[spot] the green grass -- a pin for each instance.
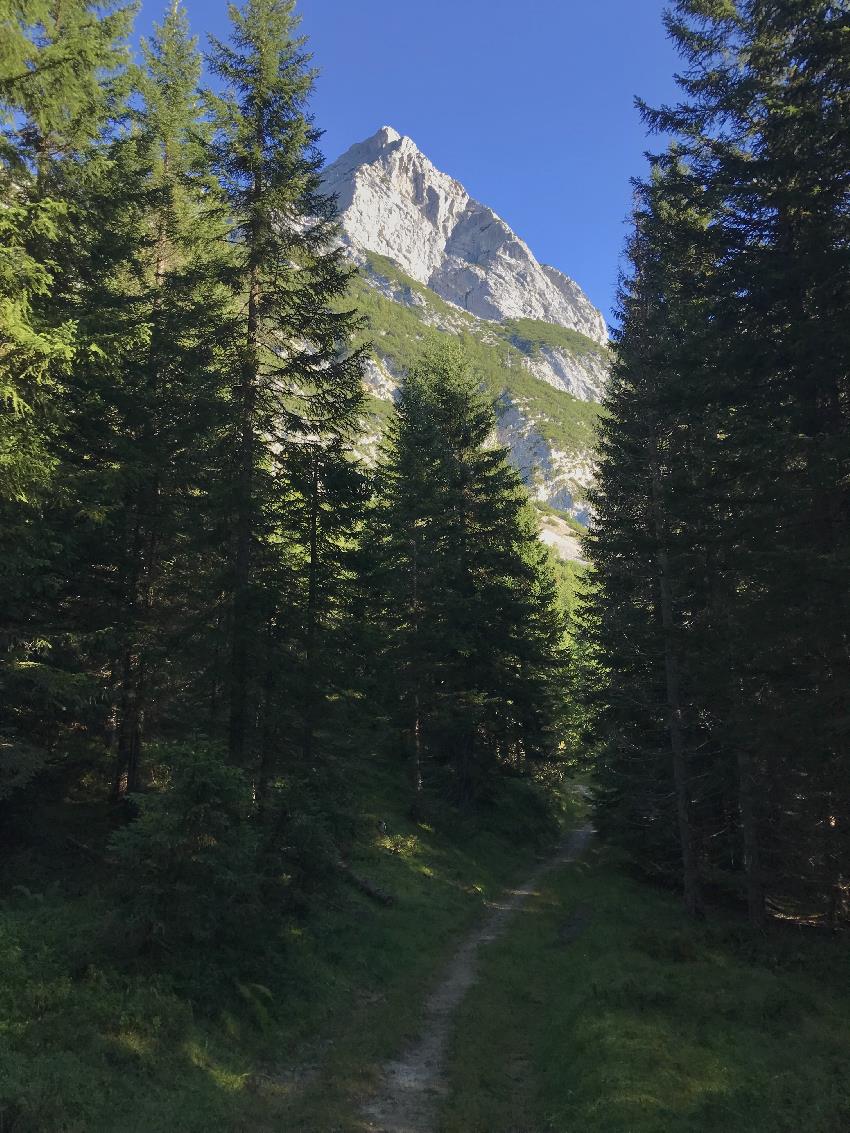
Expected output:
(530, 335)
(526, 335)
(377, 412)
(402, 333)
(91, 1043)
(394, 274)
(603, 1010)
(565, 516)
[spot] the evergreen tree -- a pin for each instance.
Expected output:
(169, 393)
(748, 375)
(474, 637)
(768, 85)
(295, 400)
(63, 79)
(654, 534)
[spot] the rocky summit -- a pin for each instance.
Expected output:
(393, 200)
(434, 260)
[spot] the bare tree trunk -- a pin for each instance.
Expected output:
(310, 621)
(747, 808)
(267, 741)
(241, 629)
(128, 762)
(128, 736)
(416, 759)
(749, 829)
(143, 556)
(681, 778)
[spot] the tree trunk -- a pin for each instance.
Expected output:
(143, 551)
(749, 829)
(681, 778)
(416, 754)
(310, 621)
(269, 732)
(128, 733)
(241, 628)
(129, 760)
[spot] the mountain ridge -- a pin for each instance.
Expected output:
(393, 200)
(413, 231)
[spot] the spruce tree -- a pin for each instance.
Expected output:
(172, 385)
(63, 80)
(751, 372)
(474, 636)
(650, 536)
(768, 94)
(296, 394)
(62, 70)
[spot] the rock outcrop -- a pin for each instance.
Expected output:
(434, 260)
(394, 201)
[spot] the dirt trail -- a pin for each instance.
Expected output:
(414, 1086)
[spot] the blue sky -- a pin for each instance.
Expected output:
(528, 104)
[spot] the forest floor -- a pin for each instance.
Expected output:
(604, 1009)
(599, 1009)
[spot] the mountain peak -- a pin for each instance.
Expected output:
(387, 135)
(394, 201)
(368, 151)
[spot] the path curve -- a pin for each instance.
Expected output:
(414, 1085)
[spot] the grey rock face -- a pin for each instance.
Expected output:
(553, 477)
(582, 375)
(394, 201)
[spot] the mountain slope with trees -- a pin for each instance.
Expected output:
(436, 263)
(290, 686)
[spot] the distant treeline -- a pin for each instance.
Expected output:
(718, 635)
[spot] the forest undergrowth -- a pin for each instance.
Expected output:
(626, 1015)
(91, 1041)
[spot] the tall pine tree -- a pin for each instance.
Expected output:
(751, 370)
(296, 393)
(474, 639)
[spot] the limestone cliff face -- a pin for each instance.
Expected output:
(394, 201)
(435, 260)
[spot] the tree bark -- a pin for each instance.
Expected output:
(310, 620)
(241, 629)
(416, 757)
(749, 829)
(681, 777)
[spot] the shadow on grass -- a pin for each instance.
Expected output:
(646, 1023)
(88, 1044)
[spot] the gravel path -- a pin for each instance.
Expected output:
(414, 1086)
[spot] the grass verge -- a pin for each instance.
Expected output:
(604, 1010)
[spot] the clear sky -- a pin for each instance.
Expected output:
(529, 103)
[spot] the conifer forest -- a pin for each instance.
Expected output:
(292, 691)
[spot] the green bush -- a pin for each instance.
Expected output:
(191, 860)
